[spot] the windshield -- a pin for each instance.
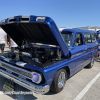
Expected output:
(68, 36)
(98, 36)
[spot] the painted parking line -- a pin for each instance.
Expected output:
(87, 87)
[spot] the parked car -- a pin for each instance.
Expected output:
(98, 39)
(46, 58)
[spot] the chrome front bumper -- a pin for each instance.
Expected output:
(25, 83)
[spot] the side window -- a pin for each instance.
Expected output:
(94, 38)
(78, 40)
(87, 38)
(98, 36)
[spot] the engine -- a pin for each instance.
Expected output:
(36, 56)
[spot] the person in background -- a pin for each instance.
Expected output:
(8, 40)
(13, 45)
(3, 37)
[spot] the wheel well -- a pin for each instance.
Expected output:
(68, 71)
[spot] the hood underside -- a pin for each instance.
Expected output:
(33, 29)
(30, 32)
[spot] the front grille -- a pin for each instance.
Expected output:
(14, 69)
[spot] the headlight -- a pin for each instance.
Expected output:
(36, 77)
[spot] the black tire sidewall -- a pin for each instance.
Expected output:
(54, 86)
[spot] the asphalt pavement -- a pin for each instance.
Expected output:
(85, 85)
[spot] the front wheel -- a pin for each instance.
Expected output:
(59, 81)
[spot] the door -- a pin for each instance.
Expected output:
(79, 51)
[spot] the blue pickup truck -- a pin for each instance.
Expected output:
(45, 57)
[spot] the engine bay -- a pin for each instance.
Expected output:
(36, 55)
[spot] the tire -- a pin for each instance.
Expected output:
(90, 65)
(59, 81)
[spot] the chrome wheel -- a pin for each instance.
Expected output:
(61, 79)
(92, 62)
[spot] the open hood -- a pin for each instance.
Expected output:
(34, 29)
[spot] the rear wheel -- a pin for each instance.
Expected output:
(59, 81)
(90, 65)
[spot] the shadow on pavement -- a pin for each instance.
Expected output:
(50, 93)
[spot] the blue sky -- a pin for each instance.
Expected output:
(65, 13)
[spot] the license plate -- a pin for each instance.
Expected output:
(9, 86)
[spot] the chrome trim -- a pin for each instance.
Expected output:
(25, 17)
(16, 68)
(61, 79)
(15, 77)
(26, 84)
(40, 18)
(7, 59)
(39, 75)
(16, 72)
(11, 18)
(20, 63)
(92, 61)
